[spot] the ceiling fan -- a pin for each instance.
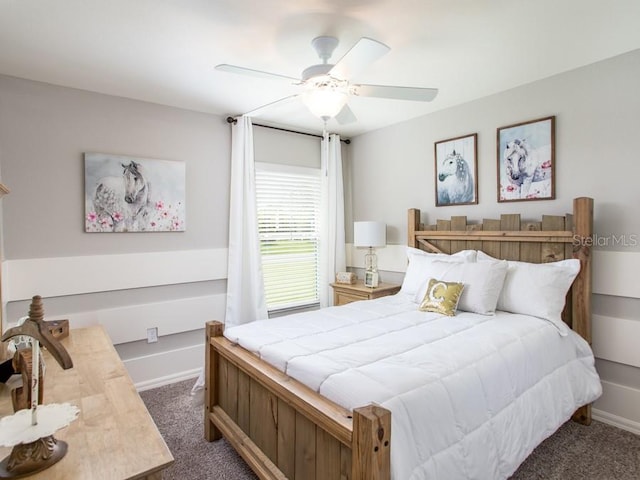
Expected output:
(327, 86)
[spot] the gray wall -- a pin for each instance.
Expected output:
(596, 111)
(44, 131)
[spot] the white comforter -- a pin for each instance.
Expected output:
(470, 396)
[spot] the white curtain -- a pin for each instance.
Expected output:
(245, 285)
(332, 242)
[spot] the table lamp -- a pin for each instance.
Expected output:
(370, 235)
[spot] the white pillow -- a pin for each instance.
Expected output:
(482, 281)
(537, 289)
(419, 269)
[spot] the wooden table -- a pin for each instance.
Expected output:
(346, 293)
(114, 437)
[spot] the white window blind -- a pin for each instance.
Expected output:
(288, 203)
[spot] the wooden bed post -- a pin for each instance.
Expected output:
(581, 290)
(371, 447)
(582, 238)
(414, 226)
(213, 329)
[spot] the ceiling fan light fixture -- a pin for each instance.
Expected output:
(327, 86)
(325, 100)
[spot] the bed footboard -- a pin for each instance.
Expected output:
(283, 429)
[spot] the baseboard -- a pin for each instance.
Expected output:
(167, 380)
(163, 368)
(616, 421)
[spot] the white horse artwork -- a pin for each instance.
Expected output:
(118, 195)
(455, 181)
(124, 200)
(525, 166)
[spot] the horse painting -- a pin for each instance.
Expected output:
(118, 195)
(455, 183)
(525, 166)
(525, 155)
(123, 201)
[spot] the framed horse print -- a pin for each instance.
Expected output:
(129, 194)
(526, 161)
(456, 169)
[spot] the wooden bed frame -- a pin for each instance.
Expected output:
(284, 430)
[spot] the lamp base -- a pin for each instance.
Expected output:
(371, 279)
(29, 458)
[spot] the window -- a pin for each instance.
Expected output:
(288, 203)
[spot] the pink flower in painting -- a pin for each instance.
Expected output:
(117, 216)
(92, 217)
(105, 222)
(159, 205)
(165, 214)
(510, 188)
(153, 224)
(176, 223)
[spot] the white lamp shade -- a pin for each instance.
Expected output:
(369, 234)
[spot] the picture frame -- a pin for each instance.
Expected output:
(456, 170)
(371, 279)
(526, 160)
(132, 194)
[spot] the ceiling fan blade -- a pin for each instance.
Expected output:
(397, 93)
(260, 109)
(224, 67)
(346, 116)
(363, 53)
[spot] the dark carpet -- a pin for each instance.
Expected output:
(574, 452)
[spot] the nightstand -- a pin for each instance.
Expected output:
(344, 293)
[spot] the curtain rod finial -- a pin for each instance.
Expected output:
(232, 120)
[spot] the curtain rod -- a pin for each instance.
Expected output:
(235, 120)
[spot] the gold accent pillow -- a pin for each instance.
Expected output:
(441, 297)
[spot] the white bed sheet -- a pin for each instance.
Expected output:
(470, 396)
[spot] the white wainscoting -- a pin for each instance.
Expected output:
(616, 273)
(60, 276)
(130, 323)
(68, 276)
(616, 340)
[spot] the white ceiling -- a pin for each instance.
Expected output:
(164, 51)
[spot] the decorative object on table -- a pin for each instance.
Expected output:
(23, 364)
(129, 194)
(370, 235)
(59, 328)
(30, 432)
(346, 278)
(456, 168)
(526, 161)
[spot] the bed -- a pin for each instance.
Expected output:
(348, 368)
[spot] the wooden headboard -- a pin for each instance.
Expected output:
(551, 239)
